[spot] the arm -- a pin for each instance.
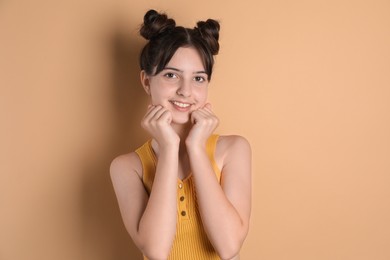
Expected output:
(151, 222)
(225, 207)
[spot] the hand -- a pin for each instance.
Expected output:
(157, 122)
(204, 123)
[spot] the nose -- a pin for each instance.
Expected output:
(184, 89)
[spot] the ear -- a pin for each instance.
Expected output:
(145, 81)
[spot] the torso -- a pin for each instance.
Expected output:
(184, 165)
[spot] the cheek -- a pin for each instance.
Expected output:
(155, 98)
(201, 96)
(159, 94)
(156, 92)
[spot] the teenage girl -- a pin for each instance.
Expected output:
(186, 193)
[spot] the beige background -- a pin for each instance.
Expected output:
(307, 82)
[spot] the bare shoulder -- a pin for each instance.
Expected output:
(125, 164)
(236, 172)
(126, 177)
(233, 144)
(233, 141)
(232, 147)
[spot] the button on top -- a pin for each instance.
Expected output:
(183, 213)
(181, 198)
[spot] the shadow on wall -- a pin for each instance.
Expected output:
(104, 235)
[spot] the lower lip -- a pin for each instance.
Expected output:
(181, 109)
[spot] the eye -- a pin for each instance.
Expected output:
(170, 75)
(199, 79)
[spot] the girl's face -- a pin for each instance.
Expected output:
(181, 87)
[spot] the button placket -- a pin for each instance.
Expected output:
(182, 207)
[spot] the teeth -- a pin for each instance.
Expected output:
(180, 104)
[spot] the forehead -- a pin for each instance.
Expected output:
(186, 59)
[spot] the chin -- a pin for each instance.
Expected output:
(181, 120)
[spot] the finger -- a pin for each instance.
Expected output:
(158, 113)
(151, 106)
(203, 113)
(199, 116)
(166, 116)
(208, 106)
(207, 117)
(194, 116)
(152, 111)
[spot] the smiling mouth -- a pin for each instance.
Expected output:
(179, 104)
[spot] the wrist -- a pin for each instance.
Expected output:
(169, 148)
(169, 143)
(196, 147)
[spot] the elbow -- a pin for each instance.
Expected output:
(152, 246)
(230, 250)
(155, 252)
(228, 255)
(231, 246)
(156, 257)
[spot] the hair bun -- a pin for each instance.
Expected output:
(209, 31)
(155, 24)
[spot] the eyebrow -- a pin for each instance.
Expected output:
(196, 72)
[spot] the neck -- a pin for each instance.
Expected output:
(182, 131)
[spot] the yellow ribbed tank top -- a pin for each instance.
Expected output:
(190, 241)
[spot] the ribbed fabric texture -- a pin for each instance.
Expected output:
(191, 242)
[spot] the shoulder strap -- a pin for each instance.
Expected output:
(148, 161)
(210, 149)
(148, 165)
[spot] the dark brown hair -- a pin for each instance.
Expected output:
(165, 38)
